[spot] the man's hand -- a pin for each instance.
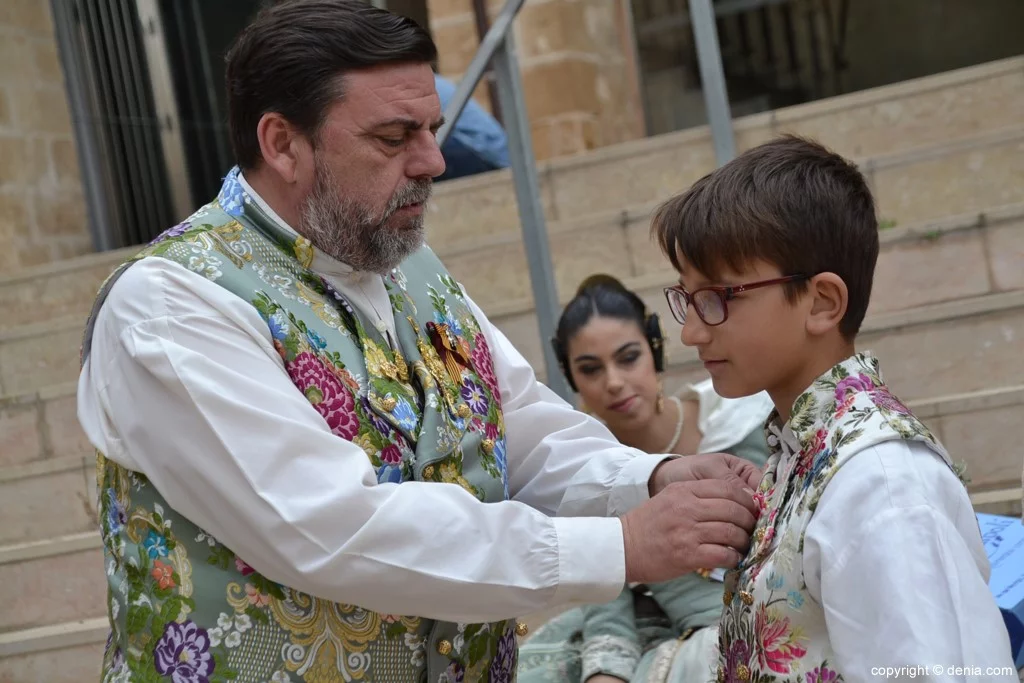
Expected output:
(707, 466)
(688, 526)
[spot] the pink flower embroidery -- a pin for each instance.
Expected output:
(243, 568)
(391, 455)
(777, 646)
(822, 674)
(845, 405)
(484, 366)
(256, 599)
(326, 393)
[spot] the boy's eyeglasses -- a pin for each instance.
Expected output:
(710, 302)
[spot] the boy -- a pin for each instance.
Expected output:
(867, 554)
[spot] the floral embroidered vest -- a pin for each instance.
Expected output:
(182, 606)
(772, 629)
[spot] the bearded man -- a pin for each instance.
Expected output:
(319, 460)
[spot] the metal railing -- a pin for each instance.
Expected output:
(498, 45)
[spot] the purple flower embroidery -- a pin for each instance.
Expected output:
(853, 383)
(454, 673)
(473, 395)
(380, 424)
(503, 666)
(738, 654)
(175, 231)
(886, 401)
(822, 674)
(183, 654)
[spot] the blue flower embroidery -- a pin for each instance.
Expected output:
(795, 599)
(499, 459)
(404, 414)
(278, 327)
(232, 196)
(156, 545)
(315, 340)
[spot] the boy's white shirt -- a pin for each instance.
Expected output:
(885, 499)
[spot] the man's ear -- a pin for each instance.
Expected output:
(284, 147)
(829, 301)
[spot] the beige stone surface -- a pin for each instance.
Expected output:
(50, 357)
(930, 270)
(52, 294)
(1006, 255)
(20, 438)
(989, 441)
(952, 183)
(903, 122)
(67, 665)
(53, 589)
(64, 434)
(44, 506)
(951, 356)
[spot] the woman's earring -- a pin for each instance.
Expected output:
(660, 403)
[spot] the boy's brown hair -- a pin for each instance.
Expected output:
(790, 202)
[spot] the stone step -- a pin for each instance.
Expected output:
(876, 127)
(919, 117)
(69, 652)
(47, 498)
(930, 262)
(41, 425)
(55, 580)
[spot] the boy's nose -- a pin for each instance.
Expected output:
(694, 332)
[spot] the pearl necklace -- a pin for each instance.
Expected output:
(679, 426)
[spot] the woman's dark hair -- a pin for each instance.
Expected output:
(291, 57)
(604, 296)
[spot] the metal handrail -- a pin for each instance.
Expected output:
(498, 46)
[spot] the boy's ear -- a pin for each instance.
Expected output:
(829, 300)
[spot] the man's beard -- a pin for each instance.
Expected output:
(349, 232)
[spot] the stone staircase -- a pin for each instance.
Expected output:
(945, 158)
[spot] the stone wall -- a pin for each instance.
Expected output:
(577, 63)
(42, 208)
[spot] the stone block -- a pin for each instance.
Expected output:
(647, 256)
(865, 124)
(55, 293)
(64, 434)
(61, 213)
(564, 136)
(989, 442)
(613, 179)
(545, 28)
(66, 665)
(957, 181)
(43, 506)
(561, 85)
(27, 16)
(24, 161)
(443, 9)
(965, 354)
(31, 253)
(50, 590)
(41, 360)
(65, 161)
(457, 42)
(6, 114)
(500, 273)
(47, 62)
(14, 49)
(930, 270)
(20, 439)
(41, 109)
(1005, 244)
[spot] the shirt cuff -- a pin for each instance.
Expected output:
(631, 487)
(591, 560)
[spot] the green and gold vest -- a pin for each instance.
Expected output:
(182, 606)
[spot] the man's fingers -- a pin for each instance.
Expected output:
(721, 510)
(714, 489)
(710, 556)
(724, 534)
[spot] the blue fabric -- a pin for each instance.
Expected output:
(477, 142)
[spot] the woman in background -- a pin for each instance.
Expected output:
(612, 353)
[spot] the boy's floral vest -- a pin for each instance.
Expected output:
(772, 629)
(183, 607)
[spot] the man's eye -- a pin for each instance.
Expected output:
(393, 142)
